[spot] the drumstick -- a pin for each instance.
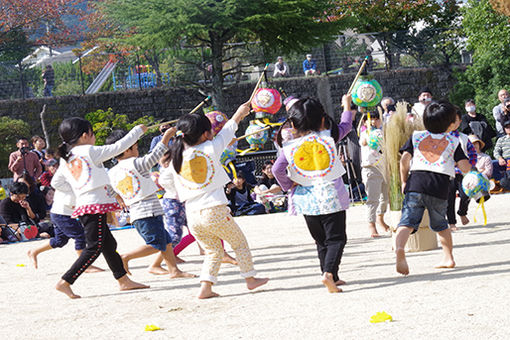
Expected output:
(357, 75)
(258, 83)
(253, 133)
(202, 103)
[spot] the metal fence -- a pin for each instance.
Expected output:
(192, 66)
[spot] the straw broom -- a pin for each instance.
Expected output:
(502, 6)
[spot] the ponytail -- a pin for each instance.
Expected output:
(63, 151)
(279, 139)
(176, 154)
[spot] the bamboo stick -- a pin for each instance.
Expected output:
(253, 133)
(258, 83)
(357, 75)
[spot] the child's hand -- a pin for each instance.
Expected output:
(242, 112)
(168, 134)
(122, 204)
(346, 102)
(403, 186)
(143, 127)
(501, 161)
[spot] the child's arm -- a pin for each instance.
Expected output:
(59, 181)
(464, 166)
(345, 125)
(145, 163)
(363, 139)
(242, 111)
(100, 154)
(405, 166)
(280, 172)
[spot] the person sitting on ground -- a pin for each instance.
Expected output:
(484, 161)
(281, 69)
(310, 66)
(239, 195)
(51, 168)
(267, 187)
(24, 161)
(499, 110)
(501, 163)
(474, 123)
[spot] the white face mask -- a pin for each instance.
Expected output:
(427, 99)
(471, 108)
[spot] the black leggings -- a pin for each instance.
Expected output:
(99, 239)
(456, 185)
(329, 234)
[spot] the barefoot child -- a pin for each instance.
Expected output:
(375, 183)
(82, 163)
(199, 180)
(310, 167)
(130, 178)
(434, 153)
(65, 226)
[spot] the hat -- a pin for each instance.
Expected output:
(308, 55)
(279, 57)
(474, 138)
(52, 162)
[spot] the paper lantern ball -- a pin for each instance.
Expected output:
(256, 140)
(229, 154)
(155, 179)
(375, 140)
(367, 93)
(475, 184)
(267, 100)
(218, 120)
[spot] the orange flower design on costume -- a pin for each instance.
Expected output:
(432, 148)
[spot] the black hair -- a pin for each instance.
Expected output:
(373, 115)
(438, 116)
(458, 111)
(18, 188)
(470, 101)
(21, 138)
(70, 131)
(307, 114)
(29, 181)
(425, 89)
(191, 127)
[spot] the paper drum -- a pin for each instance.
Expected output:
(267, 100)
(475, 185)
(256, 140)
(218, 120)
(367, 93)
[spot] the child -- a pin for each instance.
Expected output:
(199, 181)
(130, 178)
(375, 183)
(65, 227)
(456, 182)
(82, 163)
(239, 195)
(315, 177)
(51, 167)
(434, 153)
(267, 189)
(484, 161)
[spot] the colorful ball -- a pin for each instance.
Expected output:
(155, 179)
(367, 93)
(218, 120)
(475, 184)
(375, 140)
(229, 154)
(256, 140)
(267, 100)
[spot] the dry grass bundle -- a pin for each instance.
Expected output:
(396, 132)
(502, 6)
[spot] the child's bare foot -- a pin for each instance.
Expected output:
(380, 221)
(125, 263)
(327, 280)
(254, 282)
(179, 260)
(228, 259)
(445, 264)
(157, 270)
(33, 257)
(125, 283)
(340, 282)
(402, 266)
(453, 227)
(464, 220)
(94, 269)
(373, 230)
(175, 274)
(206, 291)
(65, 287)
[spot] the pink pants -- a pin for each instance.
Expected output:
(186, 241)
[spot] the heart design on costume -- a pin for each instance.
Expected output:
(432, 148)
(194, 170)
(125, 185)
(312, 156)
(76, 168)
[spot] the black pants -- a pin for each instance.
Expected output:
(328, 231)
(456, 185)
(99, 239)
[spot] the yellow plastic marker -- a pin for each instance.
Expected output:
(151, 328)
(20, 265)
(381, 317)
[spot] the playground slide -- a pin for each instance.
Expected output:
(101, 77)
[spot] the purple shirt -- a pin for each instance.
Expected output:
(281, 163)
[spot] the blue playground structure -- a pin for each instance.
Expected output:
(141, 76)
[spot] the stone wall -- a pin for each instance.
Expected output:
(170, 103)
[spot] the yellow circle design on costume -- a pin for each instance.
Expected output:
(198, 171)
(312, 156)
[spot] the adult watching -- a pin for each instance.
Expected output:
(424, 98)
(499, 110)
(473, 123)
(24, 161)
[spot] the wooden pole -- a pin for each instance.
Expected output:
(202, 103)
(253, 133)
(258, 83)
(357, 75)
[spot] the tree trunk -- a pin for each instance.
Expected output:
(216, 91)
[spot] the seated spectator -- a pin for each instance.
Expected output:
(502, 156)
(281, 69)
(504, 115)
(267, 188)
(310, 66)
(498, 111)
(484, 161)
(24, 161)
(48, 194)
(241, 202)
(15, 209)
(51, 168)
(474, 123)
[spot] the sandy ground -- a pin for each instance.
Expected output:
(466, 302)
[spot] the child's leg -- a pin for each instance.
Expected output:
(384, 200)
(445, 237)
(373, 193)
(168, 256)
(464, 202)
(450, 212)
(401, 238)
(141, 251)
(32, 253)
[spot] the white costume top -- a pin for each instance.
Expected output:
(64, 200)
(434, 152)
(202, 177)
(127, 181)
(166, 180)
(313, 159)
(85, 171)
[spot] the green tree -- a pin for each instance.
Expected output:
(10, 131)
(488, 37)
(278, 25)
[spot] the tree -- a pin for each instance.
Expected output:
(488, 37)
(217, 25)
